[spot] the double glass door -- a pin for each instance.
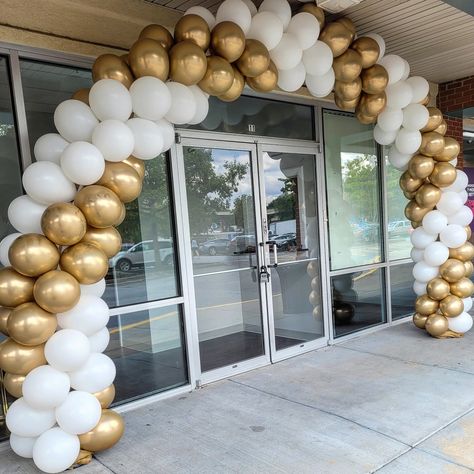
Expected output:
(253, 253)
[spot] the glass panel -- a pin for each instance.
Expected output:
(263, 117)
(149, 352)
(401, 287)
(145, 269)
(353, 184)
(44, 87)
(358, 301)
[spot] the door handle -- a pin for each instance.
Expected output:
(275, 252)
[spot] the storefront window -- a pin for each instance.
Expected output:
(401, 287)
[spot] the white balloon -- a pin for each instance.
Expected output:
(390, 119)
(421, 239)
(395, 67)
(321, 86)
(202, 105)
(82, 163)
(380, 42)
(464, 196)
(399, 160)
(25, 214)
(67, 350)
(280, 7)
(167, 132)
(5, 244)
(420, 88)
(49, 147)
(461, 323)
(203, 13)
(287, 54)
(406, 71)
(74, 120)
(467, 304)
(436, 253)
(79, 413)
(424, 272)
(417, 255)
(99, 340)
(89, 315)
(305, 28)
(267, 28)
(450, 203)
(22, 446)
(463, 217)
(110, 99)
(415, 116)
(384, 138)
(151, 99)
(95, 375)
(408, 141)
(317, 60)
(236, 11)
(419, 288)
(45, 387)
(453, 236)
(434, 222)
(114, 139)
(95, 289)
(399, 95)
(251, 6)
(46, 183)
(55, 451)
(293, 79)
(460, 183)
(147, 138)
(183, 104)
(27, 421)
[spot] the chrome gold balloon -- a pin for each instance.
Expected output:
(82, 95)
(86, 262)
(365, 119)
(107, 239)
(442, 129)
(437, 289)
(57, 291)
(444, 174)
(452, 270)
(347, 66)
(434, 121)
(419, 320)
(316, 12)
(188, 63)
(255, 59)
(337, 37)
(19, 359)
(469, 266)
(468, 232)
(137, 164)
(13, 384)
(463, 287)
(425, 305)
(122, 179)
(100, 206)
(426, 100)
(421, 166)
(349, 24)
(348, 91)
(346, 104)
(228, 40)
(374, 79)
(409, 183)
(451, 150)
(193, 28)
(4, 315)
(236, 88)
(63, 223)
(415, 224)
(110, 66)
(463, 253)
(415, 212)
(372, 104)
(451, 306)
(428, 195)
(265, 82)
(219, 76)
(15, 288)
(436, 325)
(368, 49)
(33, 254)
(432, 143)
(108, 432)
(148, 58)
(106, 396)
(83, 458)
(158, 33)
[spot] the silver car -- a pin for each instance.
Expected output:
(142, 254)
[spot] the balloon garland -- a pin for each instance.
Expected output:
(53, 280)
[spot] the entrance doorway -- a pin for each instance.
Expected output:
(250, 219)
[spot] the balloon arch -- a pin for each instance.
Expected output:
(53, 280)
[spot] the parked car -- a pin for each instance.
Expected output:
(242, 244)
(142, 254)
(399, 228)
(214, 247)
(285, 241)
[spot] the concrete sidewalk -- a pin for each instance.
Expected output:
(395, 401)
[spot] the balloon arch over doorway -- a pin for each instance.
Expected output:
(53, 280)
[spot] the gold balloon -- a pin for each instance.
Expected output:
(83, 458)
(349, 24)
(365, 119)
(315, 11)
(436, 325)
(421, 166)
(228, 40)
(451, 306)
(348, 66)
(19, 359)
(110, 66)
(337, 37)
(106, 396)
(444, 174)
(451, 150)
(33, 254)
(348, 91)
(108, 432)
(255, 59)
(108, 240)
(372, 104)
(219, 76)
(188, 63)
(148, 58)
(468, 232)
(469, 266)
(374, 79)
(123, 214)
(265, 82)
(425, 305)
(100, 206)
(124, 58)
(428, 195)
(432, 144)
(409, 183)
(63, 223)
(463, 287)
(435, 120)
(137, 164)
(4, 315)
(13, 384)
(419, 320)
(346, 104)
(463, 253)
(31, 325)
(437, 289)
(236, 88)
(442, 128)
(122, 179)
(86, 262)
(158, 33)
(426, 100)
(57, 291)
(409, 196)
(82, 95)
(368, 49)
(193, 28)
(15, 288)
(415, 212)
(415, 224)
(452, 270)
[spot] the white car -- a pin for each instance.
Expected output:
(142, 254)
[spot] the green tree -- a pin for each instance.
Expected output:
(284, 205)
